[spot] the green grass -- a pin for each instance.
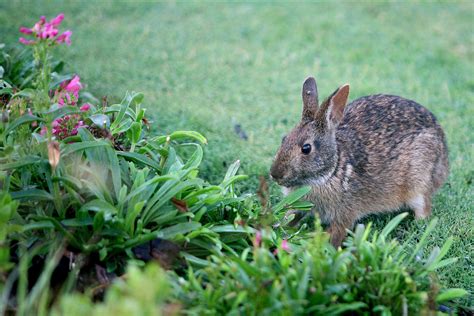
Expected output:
(209, 67)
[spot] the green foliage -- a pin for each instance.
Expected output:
(136, 293)
(8, 208)
(371, 275)
(16, 69)
(91, 182)
(106, 200)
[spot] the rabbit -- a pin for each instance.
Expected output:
(377, 154)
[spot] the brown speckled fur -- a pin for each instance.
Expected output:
(377, 154)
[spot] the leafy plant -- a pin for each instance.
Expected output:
(372, 275)
(137, 292)
(108, 201)
(91, 177)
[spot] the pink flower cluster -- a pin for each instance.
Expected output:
(67, 126)
(257, 242)
(44, 30)
(68, 92)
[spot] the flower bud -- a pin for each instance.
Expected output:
(53, 154)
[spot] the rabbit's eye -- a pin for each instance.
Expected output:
(306, 149)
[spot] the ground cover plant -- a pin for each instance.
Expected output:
(184, 76)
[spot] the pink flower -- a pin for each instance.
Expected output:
(43, 131)
(66, 126)
(26, 30)
(285, 246)
(68, 92)
(38, 25)
(79, 124)
(258, 239)
(74, 85)
(25, 41)
(48, 31)
(57, 20)
(64, 98)
(85, 107)
(65, 38)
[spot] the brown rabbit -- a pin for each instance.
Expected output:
(377, 154)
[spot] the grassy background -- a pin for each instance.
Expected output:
(210, 67)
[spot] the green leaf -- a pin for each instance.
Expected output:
(99, 221)
(100, 120)
(27, 93)
(37, 225)
(178, 229)
(140, 115)
(32, 195)
(339, 308)
(178, 135)
(57, 225)
(164, 194)
(442, 263)
(25, 161)
(231, 229)
(195, 159)
(291, 198)
(232, 170)
(100, 206)
(114, 169)
(143, 187)
(102, 254)
(134, 132)
(302, 205)
(70, 181)
(136, 98)
(120, 115)
(131, 216)
(451, 294)
(234, 179)
(135, 157)
(27, 118)
(71, 148)
(424, 238)
(195, 260)
(392, 224)
(76, 222)
(57, 111)
(6, 90)
(122, 127)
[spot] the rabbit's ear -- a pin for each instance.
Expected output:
(310, 99)
(337, 103)
(332, 109)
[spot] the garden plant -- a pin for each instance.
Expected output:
(100, 214)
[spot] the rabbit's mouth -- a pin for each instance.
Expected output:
(289, 182)
(320, 180)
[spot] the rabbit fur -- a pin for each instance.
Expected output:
(377, 154)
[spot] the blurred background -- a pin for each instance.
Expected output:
(234, 73)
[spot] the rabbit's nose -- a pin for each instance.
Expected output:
(276, 173)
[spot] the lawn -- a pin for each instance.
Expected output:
(212, 67)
